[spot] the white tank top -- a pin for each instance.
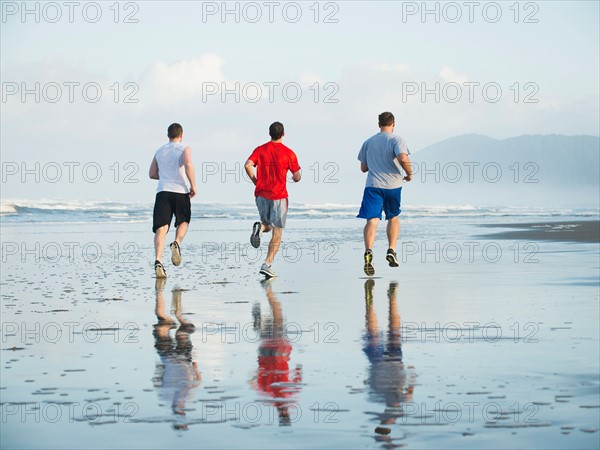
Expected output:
(171, 173)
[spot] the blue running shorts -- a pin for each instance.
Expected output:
(376, 200)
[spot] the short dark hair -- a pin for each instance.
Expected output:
(174, 131)
(276, 130)
(386, 119)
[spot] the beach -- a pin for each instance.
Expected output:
(477, 340)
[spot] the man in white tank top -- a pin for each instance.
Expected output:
(173, 168)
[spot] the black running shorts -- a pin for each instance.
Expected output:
(168, 204)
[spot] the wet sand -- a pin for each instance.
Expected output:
(571, 231)
(438, 353)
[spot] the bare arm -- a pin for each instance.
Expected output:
(154, 169)
(189, 170)
(405, 164)
(249, 166)
(296, 176)
(363, 167)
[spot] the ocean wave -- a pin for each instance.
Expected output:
(15, 211)
(7, 208)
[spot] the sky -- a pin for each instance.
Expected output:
(88, 90)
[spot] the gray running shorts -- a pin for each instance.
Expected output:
(272, 212)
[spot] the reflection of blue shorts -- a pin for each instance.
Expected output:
(373, 346)
(376, 200)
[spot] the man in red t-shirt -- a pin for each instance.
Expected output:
(273, 160)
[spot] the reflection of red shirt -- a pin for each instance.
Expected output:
(273, 160)
(274, 355)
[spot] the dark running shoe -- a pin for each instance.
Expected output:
(369, 267)
(391, 258)
(255, 236)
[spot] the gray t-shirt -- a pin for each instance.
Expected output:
(379, 153)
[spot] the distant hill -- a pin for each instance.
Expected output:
(529, 169)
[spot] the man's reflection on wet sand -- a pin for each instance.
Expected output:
(389, 380)
(274, 377)
(177, 373)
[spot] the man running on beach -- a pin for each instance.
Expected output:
(171, 165)
(273, 161)
(378, 156)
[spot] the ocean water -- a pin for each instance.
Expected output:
(471, 343)
(55, 211)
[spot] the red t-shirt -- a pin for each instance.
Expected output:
(273, 160)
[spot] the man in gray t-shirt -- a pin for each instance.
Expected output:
(383, 156)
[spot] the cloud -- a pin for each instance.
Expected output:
(182, 80)
(448, 74)
(387, 67)
(202, 79)
(311, 78)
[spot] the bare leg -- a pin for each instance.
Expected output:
(394, 315)
(159, 241)
(276, 311)
(370, 316)
(393, 229)
(274, 245)
(160, 303)
(176, 309)
(369, 233)
(181, 231)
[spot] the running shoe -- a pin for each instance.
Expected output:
(267, 271)
(255, 236)
(391, 258)
(159, 269)
(369, 267)
(175, 253)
